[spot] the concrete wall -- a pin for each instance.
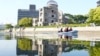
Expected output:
(56, 29)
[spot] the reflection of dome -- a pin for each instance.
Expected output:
(52, 2)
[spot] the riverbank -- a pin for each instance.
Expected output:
(84, 33)
(56, 29)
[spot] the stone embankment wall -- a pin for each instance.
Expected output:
(56, 29)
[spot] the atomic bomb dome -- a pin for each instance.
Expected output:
(52, 2)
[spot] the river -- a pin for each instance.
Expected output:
(31, 45)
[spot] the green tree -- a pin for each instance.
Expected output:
(24, 44)
(25, 22)
(8, 26)
(80, 18)
(94, 16)
(70, 18)
(95, 50)
(76, 18)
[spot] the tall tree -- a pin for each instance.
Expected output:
(94, 16)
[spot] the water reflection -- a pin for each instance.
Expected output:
(95, 50)
(24, 46)
(44, 47)
(31, 46)
(8, 36)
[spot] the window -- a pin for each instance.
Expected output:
(52, 21)
(52, 11)
(36, 21)
(40, 14)
(40, 9)
(52, 16)
(40, 46)
(40, 19)
(45, 19)
(59, 20)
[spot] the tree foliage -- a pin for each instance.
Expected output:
(95, 51)
(26, 22)
(80, 18)
(76, 18)
(94, 16)
(70, 18)
(24, 44)
(9, 26)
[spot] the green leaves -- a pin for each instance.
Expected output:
(80, 18)
(76, 19)
(9, 26)
(25, 22)
(24, 44)
(94, 16)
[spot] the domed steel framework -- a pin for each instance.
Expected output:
(52, 2)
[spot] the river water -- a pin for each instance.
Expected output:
(25, 45)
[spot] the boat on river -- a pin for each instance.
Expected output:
(69, 33)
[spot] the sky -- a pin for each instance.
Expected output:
(9, 8)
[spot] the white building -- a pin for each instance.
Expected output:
(35, 21)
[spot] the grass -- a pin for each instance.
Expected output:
(63, 25)
(76, 25)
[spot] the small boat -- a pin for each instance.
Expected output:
(69, 33)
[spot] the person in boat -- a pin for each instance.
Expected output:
(61, 30)
(66, 30)
(70, 29)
